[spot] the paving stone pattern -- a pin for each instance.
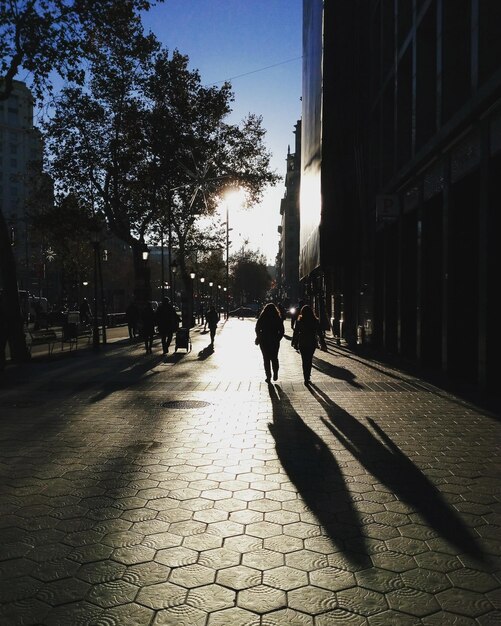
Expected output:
(143, 492)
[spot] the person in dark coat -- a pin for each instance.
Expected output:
(269, 331)
(148, 320)
(167, 322)
(306, 337)
(132, 316)
(85, 312)
(212, 318)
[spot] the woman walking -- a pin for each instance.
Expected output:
(307, 336)
(269, 332)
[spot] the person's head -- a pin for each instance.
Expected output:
(307, 313)
(270, 310)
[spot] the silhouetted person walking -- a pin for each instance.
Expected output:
(167, 322)
(212, 318)
(148, 319)
(307, 336)
(85, 312)
(132, 316)
(269, 332)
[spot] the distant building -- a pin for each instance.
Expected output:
(401, 177)
(20, 161)
(288, 255)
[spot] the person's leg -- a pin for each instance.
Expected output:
(266, 363)
(168, 339)
(274, 362)
(307, 360)
(163, 339)
(212, 335)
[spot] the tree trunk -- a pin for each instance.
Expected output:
(14, 320)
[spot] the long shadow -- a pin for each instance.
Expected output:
(314, 471)
(335, 372)
(127, 378)
(387, 463)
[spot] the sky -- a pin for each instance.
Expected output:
(257, 45)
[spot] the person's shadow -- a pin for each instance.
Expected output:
(315, 473)
(388, 464)
(334, 371)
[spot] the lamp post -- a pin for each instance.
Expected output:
(211, 285)
(225, 302)
(218, 297)
(202, 280)
(173, 268)
(192, 285)
(95, 326)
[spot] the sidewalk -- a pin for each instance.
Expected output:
(137, 490)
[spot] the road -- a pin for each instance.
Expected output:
(138, 490)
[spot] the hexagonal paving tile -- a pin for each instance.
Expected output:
(362, 601)
(464, 602)
(332, 578)
(312, 600)
(261, 599)
(193, 575)
(211, 598)
(235, 616)
(285, 578)
(306, 560)
(175, 557)
(181, 615)
(161, 595)
(239, 577)
(112, 593)
(412, 601)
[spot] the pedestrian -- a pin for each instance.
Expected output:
(212, 318)
(269, 331)
(295, 311)
(132, 317)
(85, 312)
(306, 337)
(148, 320)
(167, 322)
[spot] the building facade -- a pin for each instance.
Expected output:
(406, 106)
(20, 163)
(288, 257)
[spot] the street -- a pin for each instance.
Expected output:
(138, 490)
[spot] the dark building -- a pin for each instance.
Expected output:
(401, 179)
(288, 256)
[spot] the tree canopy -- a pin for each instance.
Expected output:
(42, 36)
(147, 144)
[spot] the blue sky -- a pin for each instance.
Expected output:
(240, 40)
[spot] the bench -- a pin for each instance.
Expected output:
(41, 338)
(74, 334)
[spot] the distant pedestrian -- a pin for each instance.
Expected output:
(212, 318)
(295, 312)
(132, 317)
(269, 331)
(148, 320)
(306, 338)
(85, 312)
(167, 322)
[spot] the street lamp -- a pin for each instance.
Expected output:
(211, 284)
